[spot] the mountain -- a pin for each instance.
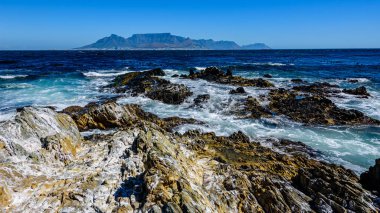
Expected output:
(165, 41)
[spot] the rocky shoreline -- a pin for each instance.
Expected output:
(144, 165)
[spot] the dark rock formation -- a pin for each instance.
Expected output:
(239, 90)
(267, 76)
(251, 108)
(298, 81)
(201, 99)
(153, 87)
(317, 88)
(362, 91)
(315, 110)
(371, 178)
(214, 74)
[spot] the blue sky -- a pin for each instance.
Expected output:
(64, 24)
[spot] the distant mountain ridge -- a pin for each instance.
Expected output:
(165, 41)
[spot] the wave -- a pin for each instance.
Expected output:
(104, 73)
(16, 86)
(359, 80)
(12, 76)
(275, 64)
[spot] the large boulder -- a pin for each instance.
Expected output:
(147, 83)
(361, 91)
(214, 74)
(371, 178)
(315, 109)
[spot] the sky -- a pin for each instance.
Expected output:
(281, 24)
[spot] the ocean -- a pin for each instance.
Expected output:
(65, 78)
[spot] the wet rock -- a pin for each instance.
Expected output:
(318, 88)
(267, 76)
(251, 108)
(214, 74)
(294, 148)
(112, 115)
(371, 178)
(239, 90)
(362, 91)
(353, 80)
(229, 72)
(315, 110)
(153, 87)
(298, 81)
(201, 99)
(175, 75)
(170, 93)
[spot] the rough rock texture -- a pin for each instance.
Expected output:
(214, 74)
(371, 178)
(316, 88)
(251, 108)
(111, 115)
(315, 110)
(143, 168)
(153, 87)
(239, 90)
(201, 99)
(362, 91)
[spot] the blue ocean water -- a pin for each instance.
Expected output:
(64, 78)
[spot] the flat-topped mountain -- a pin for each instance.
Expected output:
(166, 41)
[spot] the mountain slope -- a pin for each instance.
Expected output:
(165, 41)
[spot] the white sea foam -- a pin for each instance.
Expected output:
(360, 80)
(104, 73)
(12, 76)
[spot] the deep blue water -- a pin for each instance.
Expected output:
(63, 78)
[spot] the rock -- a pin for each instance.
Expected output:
(353, 80)
(317, 88)
(315, 110)
(141, 167)
(25, 134)
(298, 81)
(239, 90)
(170, 93)
(175, 75)
(214, 74)
(371, 178)
(153, 87)
(267, 76)
(357, 91)
(251, 108)
(229, 72)
(201, 99)
(112, 115)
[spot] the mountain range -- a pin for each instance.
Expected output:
(165, 41)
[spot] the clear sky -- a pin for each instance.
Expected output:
(65, 24)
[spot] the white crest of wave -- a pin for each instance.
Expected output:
(12, 76)
(105, 73)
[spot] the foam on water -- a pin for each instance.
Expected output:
(12, 76)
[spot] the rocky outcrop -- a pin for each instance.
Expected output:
(36, 128)
(371, 178)
(112, 115)
(361, 91)
(214, 74)
(201, 99)
(316, 88)
(141, 167)
(239, 90)
(315, 109)
(149, 84)
(250, 108)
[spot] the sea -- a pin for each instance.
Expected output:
(66, 78)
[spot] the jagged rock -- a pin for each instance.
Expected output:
(362, 91)
(267, 76)
(201, 99)
(317, 88)
(175, 75)
(214, 74)
(353, 80)
(27, 133)
(315, 110)
(144, 168)
(153, 87)
(371, 178)
(170, 93)
(111, 115)
(239, 90)
(251, 108)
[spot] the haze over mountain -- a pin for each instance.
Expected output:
(166, 41)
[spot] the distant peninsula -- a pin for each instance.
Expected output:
(166, 41)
